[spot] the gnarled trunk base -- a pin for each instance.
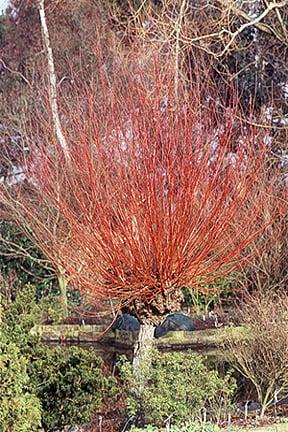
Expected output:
(150, 314)
(154, 311)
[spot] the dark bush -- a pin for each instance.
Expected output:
(19, 409)
(70, 384)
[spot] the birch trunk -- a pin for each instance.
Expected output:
(177, 46)
(52, 81)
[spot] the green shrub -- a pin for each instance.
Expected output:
(70, 384)
(19, 409)
(52, 309)
(20, 316)
(26, 268)
(191, 427)
(177, 385)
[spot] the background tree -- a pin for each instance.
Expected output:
(266, 269)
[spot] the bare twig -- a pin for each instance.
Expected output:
(15, 72)
(251, 23)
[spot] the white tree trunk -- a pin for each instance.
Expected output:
(142, 357)
(52, 81)
(177, 46)
(144, 344)
(63, 282)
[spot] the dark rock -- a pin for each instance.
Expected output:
(174, 322)
(126, 322)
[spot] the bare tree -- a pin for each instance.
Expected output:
(263, 355)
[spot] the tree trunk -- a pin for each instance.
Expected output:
(63, 282)
(52, 81)
(142, 357)
(143, 345)
(178, 28)
(150, 314)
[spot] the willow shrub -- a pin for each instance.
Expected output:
(177, 386)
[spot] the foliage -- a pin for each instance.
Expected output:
(20, 258)
(3, 26)
(22, 263)
(20, 410)
(70, 384)
(20, 316)
(51, 308)
(261, 355)
(177, 385)
(189, 427)
(221, 290)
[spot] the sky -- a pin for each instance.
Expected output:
(3, 5)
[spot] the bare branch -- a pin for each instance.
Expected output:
(15, 73)
(251, 23)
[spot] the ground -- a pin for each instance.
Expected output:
(283, 427)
